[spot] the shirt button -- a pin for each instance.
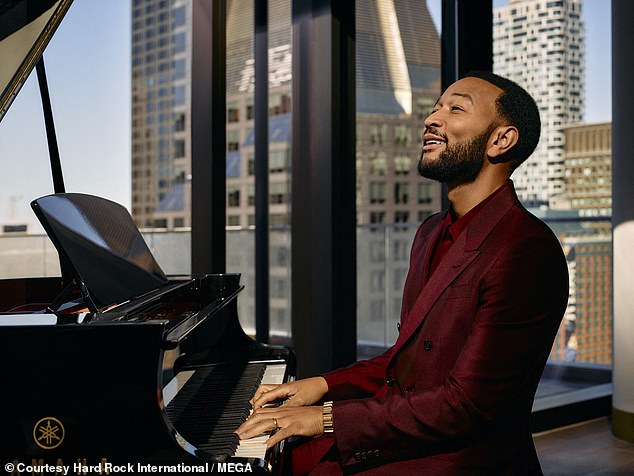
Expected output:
(390, 381)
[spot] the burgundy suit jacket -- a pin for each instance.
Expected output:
(455, 392)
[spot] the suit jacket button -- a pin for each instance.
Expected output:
(390, 381)
(357, 456)
(427, 345)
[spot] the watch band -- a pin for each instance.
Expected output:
(326, 414)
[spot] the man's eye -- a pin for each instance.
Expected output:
(456, 108)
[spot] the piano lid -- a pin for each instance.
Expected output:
(26, 26)
(103, 246)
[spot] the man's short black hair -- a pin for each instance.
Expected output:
(517, 107)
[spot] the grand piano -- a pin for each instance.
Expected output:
(113, 361)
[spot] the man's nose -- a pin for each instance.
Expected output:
(433, 120)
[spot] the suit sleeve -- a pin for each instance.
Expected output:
(522, 297)
(361, 379)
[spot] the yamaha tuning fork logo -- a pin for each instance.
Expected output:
(48, 433)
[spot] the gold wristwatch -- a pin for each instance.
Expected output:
(326, 414)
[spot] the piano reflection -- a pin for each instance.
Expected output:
(114, 361)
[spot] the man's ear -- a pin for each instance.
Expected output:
(501, 141)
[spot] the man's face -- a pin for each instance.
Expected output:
(456, 134)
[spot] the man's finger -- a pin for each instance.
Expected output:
(276, 437)
(272, 395)
(262, 389)
(251, 429)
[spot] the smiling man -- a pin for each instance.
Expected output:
(484, 297)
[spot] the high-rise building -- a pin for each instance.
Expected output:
(540, 45)
(586, 330)
(588, 179)
(584, 228)
(161, 165)
(588, 168)
(398, 81)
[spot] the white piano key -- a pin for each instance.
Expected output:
(256, 447)
(274, 374)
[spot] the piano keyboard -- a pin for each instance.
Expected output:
(256, 447)
(208, 404)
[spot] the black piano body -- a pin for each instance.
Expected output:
(114, 362)
(93, 374)
(100, 382)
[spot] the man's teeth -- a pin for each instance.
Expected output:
(433, 142)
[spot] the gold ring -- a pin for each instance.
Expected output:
(275, 422)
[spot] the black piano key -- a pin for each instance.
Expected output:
(213, 403)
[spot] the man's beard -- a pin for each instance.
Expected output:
(459, 163)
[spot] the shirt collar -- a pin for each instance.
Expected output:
(455, 226)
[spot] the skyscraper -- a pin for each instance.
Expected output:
(589, 168)
(398, 80)
(540, 45)
(161, 165)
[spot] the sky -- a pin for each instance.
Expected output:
(88, 71)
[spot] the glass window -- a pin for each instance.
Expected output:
(233, 139)
(378, 163)
(378, 134)
(179, 148)
(377, 192)
(394, 94)
(402, 135)
(279, 104)
(179, 96)
(179, 69)
(279, 161)
(233, 112)
(401, 193)
(233, 196)
(278, 192)
(180, 15)
(425, 192)
(401, 216)
(402, 164)
(179, 122)
(565, 176)
(179, 42)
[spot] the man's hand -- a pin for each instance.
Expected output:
(295, 394)
(302, 421)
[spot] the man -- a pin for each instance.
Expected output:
(483, 300)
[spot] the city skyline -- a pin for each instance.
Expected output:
(92, 109)
(540, 44)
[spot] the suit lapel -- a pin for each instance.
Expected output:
(429, 249)
(419, 268)
(458, 258)
(455, 261)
